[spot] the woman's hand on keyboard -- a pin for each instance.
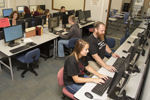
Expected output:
(110, 68)
(98, 81)
(102, 77)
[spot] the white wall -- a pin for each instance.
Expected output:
(116, 4)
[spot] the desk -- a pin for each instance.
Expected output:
(5, 49)
(131, 89)
(112, 19)
(120, 14)
(142, 25)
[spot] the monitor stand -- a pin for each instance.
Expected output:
(13, 43)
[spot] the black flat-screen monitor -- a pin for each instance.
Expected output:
(56, 14)
(65, 20)
(42, 7)
(53, 22)
(20, 9)
(87, 14)
(116, 79)
(71, 12)
(12, 33)
(26, 23)
(81, 15)
(7, 12)
(77, 13)
(40, 20)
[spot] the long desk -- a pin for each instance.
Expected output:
(5, 49)
(132, 90)
(142, 25)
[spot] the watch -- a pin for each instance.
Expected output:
(111, 53)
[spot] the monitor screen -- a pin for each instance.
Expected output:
(42, 7)
(87, 14)
(7, 12)
(65, 19)
(39, 20)
(33, 7)
(77, 13)
(20, 9)
(56, 14)
(53, 22)
(13, 33)
(70, 12)
(81, 15)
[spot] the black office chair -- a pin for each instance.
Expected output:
(30, 58)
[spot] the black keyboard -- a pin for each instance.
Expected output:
(89, 21)
(19, 48)
(60, 31)
(117, 63)
(100, 89)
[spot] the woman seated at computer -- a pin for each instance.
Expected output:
(74, 77)
(47, 13)
(38, 11)
(27, 13)
(15, 15)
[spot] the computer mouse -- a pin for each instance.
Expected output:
(129, 42)
(89, 95)
(124, 51)
(123, 57)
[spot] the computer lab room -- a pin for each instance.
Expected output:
(74, 49)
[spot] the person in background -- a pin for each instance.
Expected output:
(47, 13)
(38, 11)
(98, 47)
(26, 13)
(74, 67)
(62, 12)
(15, 15)
(74, 32)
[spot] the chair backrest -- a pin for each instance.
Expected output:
(72, 42)
(122, 40)
(127, 33)
(29, 55)
(60, 77)
(111, 42)
(126, 16)
(1, 35)
(114, 11)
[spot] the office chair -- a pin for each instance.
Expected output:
(122, 40)
(111, 43)
(30, 58)
(127, 33)
(61, 83)
(1, 35)
(71, 44)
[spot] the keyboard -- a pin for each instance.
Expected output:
(117, 63)
(100, 89)
(60, 31)
(89, 21)
(19, 48)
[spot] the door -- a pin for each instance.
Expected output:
(104, 12)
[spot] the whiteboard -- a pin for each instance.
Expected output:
(69, 4)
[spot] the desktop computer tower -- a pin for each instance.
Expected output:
(126, 7)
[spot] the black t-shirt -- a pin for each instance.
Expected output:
(72, 68)
(96, 47)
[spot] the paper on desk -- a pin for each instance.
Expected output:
(134, 36)
(28, 40)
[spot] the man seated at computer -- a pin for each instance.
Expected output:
(62, 11)
(74, 76)
(15, 15)
(74, 32)
(98, 47)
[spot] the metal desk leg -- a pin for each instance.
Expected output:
(10, 65)
(56, 46)
(54, 49)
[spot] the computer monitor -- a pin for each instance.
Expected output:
(26, 23)
(40, 20)
(77, 13)
(115, 81)
(70, 12)
(81, 15)
(56, 14)
(20, 9)
(42, 7)
(7, 12)
(65, 20)
(12, 33)
(32, 7)
(53, 22)
(87, 14)
(143, 36)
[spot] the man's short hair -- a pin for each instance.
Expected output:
(62, 7)
(97, 24)
(72, 17)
